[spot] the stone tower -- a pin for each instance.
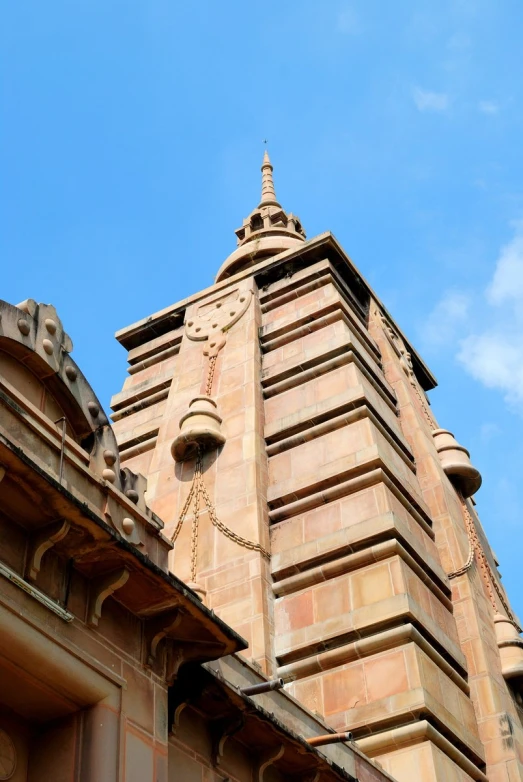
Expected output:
(281, 420)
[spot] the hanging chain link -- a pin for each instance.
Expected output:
(195, 521)
(475, 547)
(210, 374)
(228, 532)
(476, 551)
(185, 510)
(197, 492)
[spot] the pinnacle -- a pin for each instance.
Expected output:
(268, 193)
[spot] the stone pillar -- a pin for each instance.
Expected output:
(100, 744)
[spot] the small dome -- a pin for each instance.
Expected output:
(267, 231)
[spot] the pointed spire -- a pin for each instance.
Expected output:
(268, 230)
(268, 194)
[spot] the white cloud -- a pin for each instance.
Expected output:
(487, 326)
(348, 22)
(430, 101)
(507, 282)
(491, 349)
(488, 107)
(495, 358)
(449, 315)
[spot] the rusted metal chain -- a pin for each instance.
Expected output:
(197, 492)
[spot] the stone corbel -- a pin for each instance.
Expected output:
(186, 652)
(221, 731)
(266, 759)
(102, 588)
(42, 541)
(156, 629)
(177, 713)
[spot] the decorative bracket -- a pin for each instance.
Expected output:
(221, 731)
(41, 542)
(156, 629)
(266, 759)
(177, 713)
(101, 588)
(189, 651)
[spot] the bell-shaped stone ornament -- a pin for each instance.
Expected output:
(200, 427)
(456, 463)
(510, 646)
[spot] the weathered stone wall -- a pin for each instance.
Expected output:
(331, 445)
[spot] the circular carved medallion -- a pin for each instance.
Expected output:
(7, 756)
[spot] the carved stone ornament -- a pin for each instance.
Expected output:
(200, 426)
(218, 315)
(7, 756)
(510, 646)
(456, 463)
(34, 335)
(398, 345)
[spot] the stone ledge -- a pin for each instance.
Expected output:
(156, 345)
(405, 735)
(407, 706)
(304, 280)
(346, 628)
(338, 566)
(337, 418)
(136, 394)
(304, 492)
(351, 539)
(317, 356)
(368, 646)
(283, 330)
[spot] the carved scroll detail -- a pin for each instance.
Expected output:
(41, 542)
(102, 588)
(267, 759)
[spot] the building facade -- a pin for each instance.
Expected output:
(315, 505)
(274, 507)
(111, 668)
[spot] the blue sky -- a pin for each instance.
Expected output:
(131, 139)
